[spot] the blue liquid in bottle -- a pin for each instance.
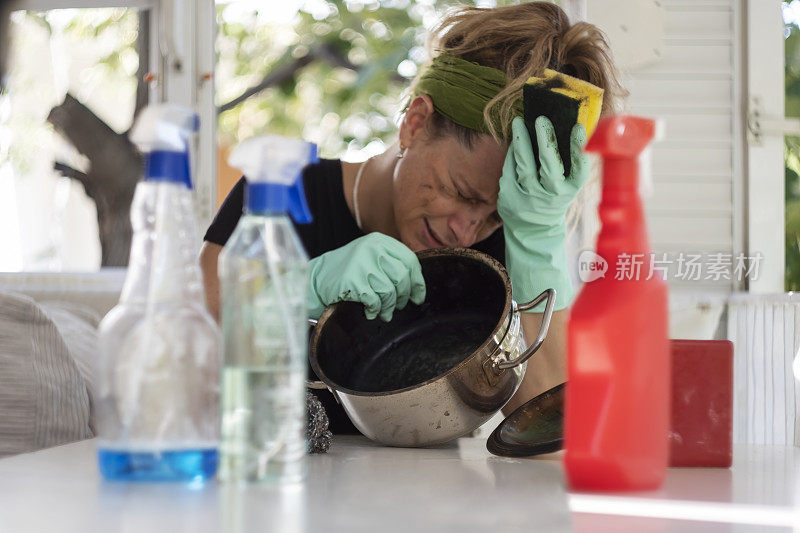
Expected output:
(175, 465)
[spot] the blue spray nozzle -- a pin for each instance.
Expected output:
(274, 169)
(278, 198)
(162, 132)
(168, 166)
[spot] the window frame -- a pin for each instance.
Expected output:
(182, 58)
(764, 187)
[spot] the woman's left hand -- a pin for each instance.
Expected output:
(533, 203)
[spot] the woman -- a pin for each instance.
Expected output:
(462, 173)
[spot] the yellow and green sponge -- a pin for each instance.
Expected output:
(565, 101)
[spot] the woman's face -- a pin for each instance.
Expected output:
(445, 194)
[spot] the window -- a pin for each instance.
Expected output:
(78, 71)
(71, 86)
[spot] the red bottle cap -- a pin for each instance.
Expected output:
(622, 136)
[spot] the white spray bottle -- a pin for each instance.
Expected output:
(158, 415)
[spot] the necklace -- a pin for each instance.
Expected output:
(355, 193)
(356, 212)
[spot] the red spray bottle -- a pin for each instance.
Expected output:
(617, 402)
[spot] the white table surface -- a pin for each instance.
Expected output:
(359, 486)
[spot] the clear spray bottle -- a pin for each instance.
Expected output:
(263, 273)
(158, 403)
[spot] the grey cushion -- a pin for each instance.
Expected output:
(43, 395)
(77, 325)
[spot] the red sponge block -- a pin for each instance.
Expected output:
(702, 403)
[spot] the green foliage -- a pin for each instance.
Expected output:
(792, 158)
(332, 105)
(793, 245)
(792, 70)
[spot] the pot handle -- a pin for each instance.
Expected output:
(319, 385)
(550, 294)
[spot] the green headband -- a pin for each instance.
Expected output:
(461, 89)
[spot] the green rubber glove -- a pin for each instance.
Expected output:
(533, 205)
(376, 270)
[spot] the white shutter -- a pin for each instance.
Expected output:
(691, 82)
(693, 89)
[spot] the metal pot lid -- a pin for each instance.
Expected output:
(534, 428)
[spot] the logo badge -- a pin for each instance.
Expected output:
(591, 266)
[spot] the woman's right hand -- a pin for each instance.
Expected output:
(376, 270)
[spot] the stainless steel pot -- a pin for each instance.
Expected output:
(472, 289)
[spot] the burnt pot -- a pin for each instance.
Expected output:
(438, 370)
